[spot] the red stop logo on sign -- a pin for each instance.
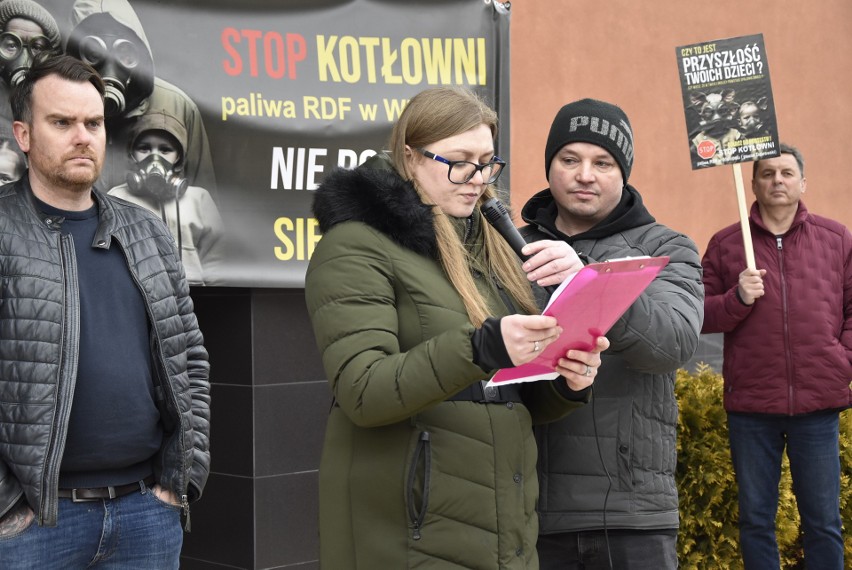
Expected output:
(706, 149)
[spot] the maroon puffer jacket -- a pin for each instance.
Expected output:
(791, 351)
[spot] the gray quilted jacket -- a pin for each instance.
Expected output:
(39, 342)
(631, 424)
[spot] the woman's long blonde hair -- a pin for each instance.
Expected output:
(431, 116)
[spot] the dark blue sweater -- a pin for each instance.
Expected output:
(114, 429)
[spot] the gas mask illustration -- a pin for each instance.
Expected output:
(17, 55)
(114, 58)
(157, 176)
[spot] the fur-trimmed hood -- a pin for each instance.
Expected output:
(377, 195)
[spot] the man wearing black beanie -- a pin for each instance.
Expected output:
(608, 497)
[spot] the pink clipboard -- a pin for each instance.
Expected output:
(586, 307)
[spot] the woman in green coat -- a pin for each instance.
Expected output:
(415, 301)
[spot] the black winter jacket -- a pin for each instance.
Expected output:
(39, 343)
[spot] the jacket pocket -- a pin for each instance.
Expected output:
(417, 495)
(843, 361)
(160, 378)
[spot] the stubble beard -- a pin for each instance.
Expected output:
(78, 183)
(76, 180)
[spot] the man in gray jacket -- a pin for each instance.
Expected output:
(104, 391)
(608, 497)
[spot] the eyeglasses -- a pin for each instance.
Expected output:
(461, 171)
(11, 45)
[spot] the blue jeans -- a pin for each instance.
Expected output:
(136, 531)
(641, 550)
(757, 444)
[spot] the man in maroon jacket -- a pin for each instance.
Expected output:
(788, 348)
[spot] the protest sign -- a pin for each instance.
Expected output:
(727, 98)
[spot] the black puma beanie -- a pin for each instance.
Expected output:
(595, 122)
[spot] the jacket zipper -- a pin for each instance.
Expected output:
(423, 447)
(48, 511)
(786, 322)
(165, 384)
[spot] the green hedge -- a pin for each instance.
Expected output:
(709, 538)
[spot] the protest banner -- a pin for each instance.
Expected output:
(270, 96)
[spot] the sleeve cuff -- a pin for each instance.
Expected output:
(583, 395)
(739, 297)
(489, 350)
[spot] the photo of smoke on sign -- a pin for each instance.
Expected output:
(727, 96)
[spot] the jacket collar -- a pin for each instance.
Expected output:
(798, 219)
(376, 195)
(630, 213)
(106, 212)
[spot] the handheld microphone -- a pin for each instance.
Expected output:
(497, 215)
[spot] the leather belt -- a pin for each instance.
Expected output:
(98, 493)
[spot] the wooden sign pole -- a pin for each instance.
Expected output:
(749, 249)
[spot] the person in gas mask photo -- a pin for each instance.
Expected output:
(13, 164)
(156, 182)
(108, 35)
(27, 31)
